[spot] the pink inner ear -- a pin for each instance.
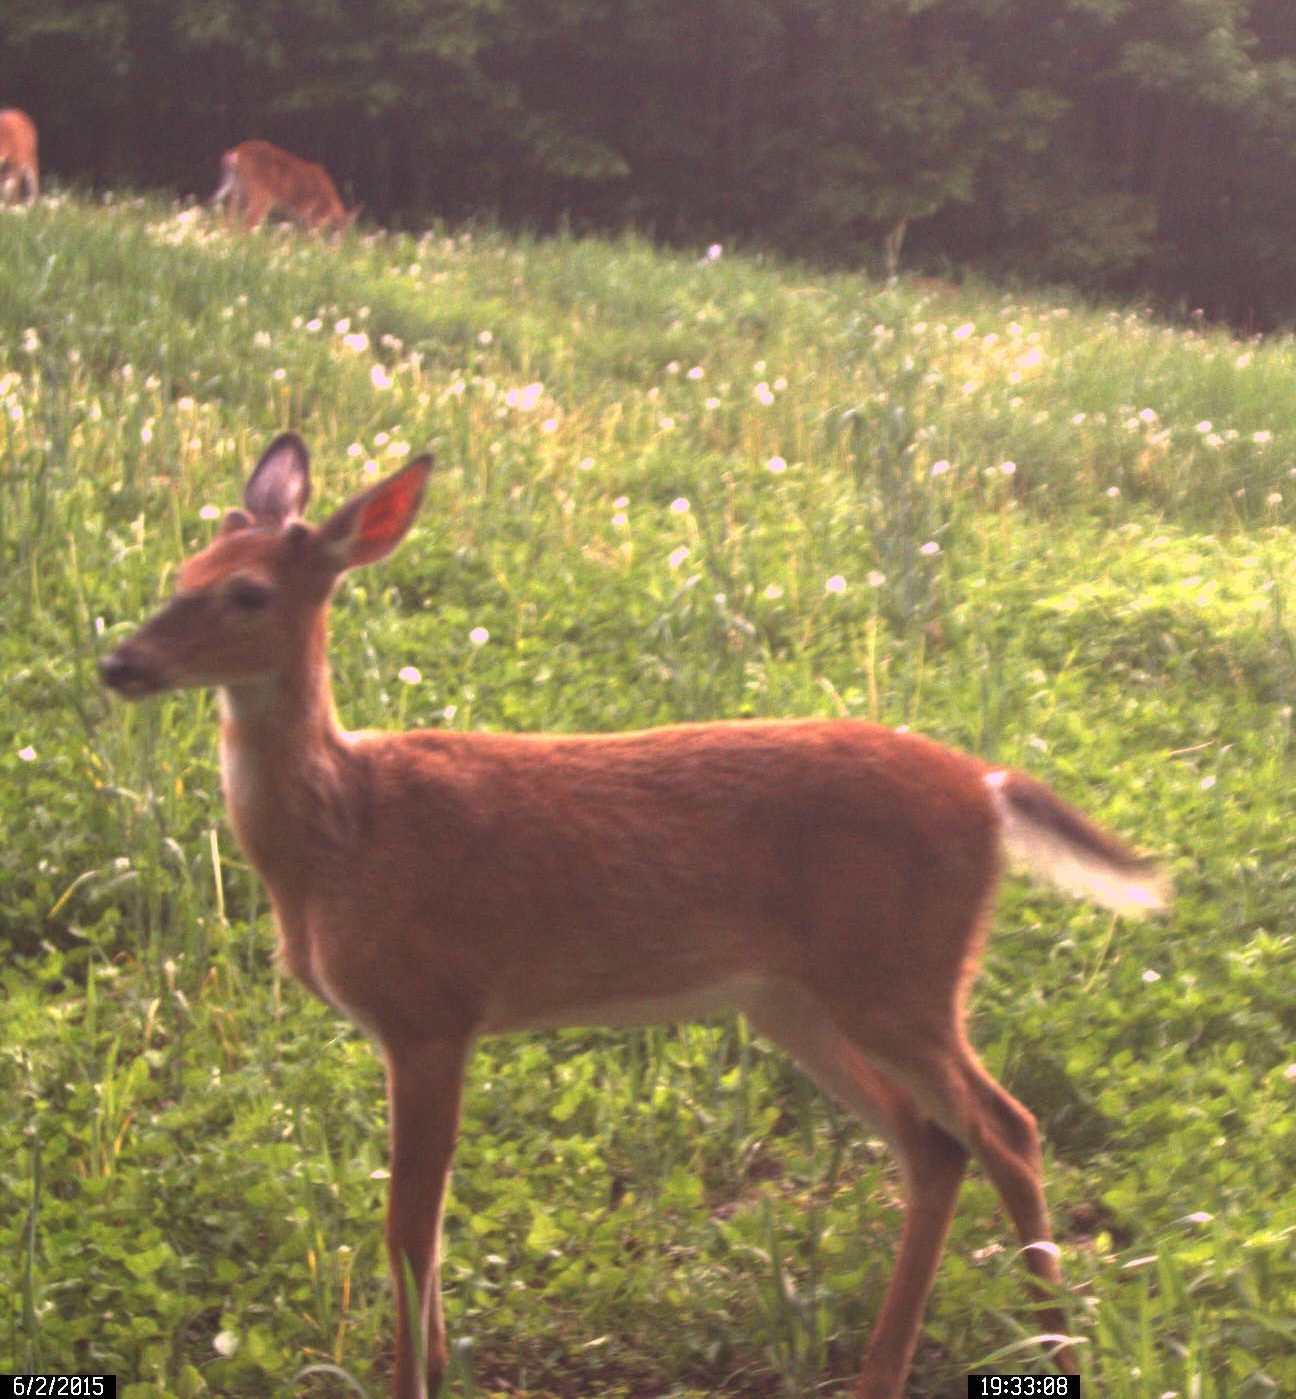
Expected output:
(389, 513)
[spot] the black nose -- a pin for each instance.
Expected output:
(119, 672)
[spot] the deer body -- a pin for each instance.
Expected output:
(258, 176)
(19, 169)
(829, 878)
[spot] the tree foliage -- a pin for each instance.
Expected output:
(1138, 144)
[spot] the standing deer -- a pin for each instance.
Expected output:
(831, 879)
(257, 176)
(19, 171)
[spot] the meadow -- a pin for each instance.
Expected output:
(670, 486)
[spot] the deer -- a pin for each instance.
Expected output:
(258, 176)
(829, 878)
(19, 170)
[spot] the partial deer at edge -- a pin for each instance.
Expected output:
(257, 177)
(831, 879)
(19, 169)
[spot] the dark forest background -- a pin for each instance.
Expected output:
(1135, 146)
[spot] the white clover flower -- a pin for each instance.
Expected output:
(930, 548)
(696, 372)
(210, 512)
(479, 636)
(680, 506)
(962, 332)
(28, 754)
(776, 465)
(411, 675)
(677, 556)
(379, 377)
(835, 584)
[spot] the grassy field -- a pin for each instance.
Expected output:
(667, 489)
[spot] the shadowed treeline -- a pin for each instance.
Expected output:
(1139, 147)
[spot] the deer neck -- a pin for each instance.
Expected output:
(283, 767)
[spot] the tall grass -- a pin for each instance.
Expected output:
(1060, 536)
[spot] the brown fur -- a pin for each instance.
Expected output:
(829, 878)
(19, 168)
(258, 176)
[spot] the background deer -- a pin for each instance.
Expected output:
(830, 879)
(257, 177)
(19, 170)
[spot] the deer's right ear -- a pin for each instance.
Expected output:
(277, 491)
(372, 524)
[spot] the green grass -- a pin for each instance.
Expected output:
(1059, 536)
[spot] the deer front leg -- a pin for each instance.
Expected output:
(424, 1086)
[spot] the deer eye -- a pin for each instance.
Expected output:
(247, 594)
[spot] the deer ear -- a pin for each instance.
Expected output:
(277, 491)
(372, 524)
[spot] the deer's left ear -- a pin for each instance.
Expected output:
(277, 491)
(369, 526)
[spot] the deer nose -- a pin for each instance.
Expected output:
(126, 676)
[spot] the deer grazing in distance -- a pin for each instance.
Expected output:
(830, 879)
(258, 176)
(19, 169)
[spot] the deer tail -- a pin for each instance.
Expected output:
(1056, 844)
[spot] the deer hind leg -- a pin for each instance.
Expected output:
(424, 1085)
(932, 1059)
(931, 1160)
(253, 209)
